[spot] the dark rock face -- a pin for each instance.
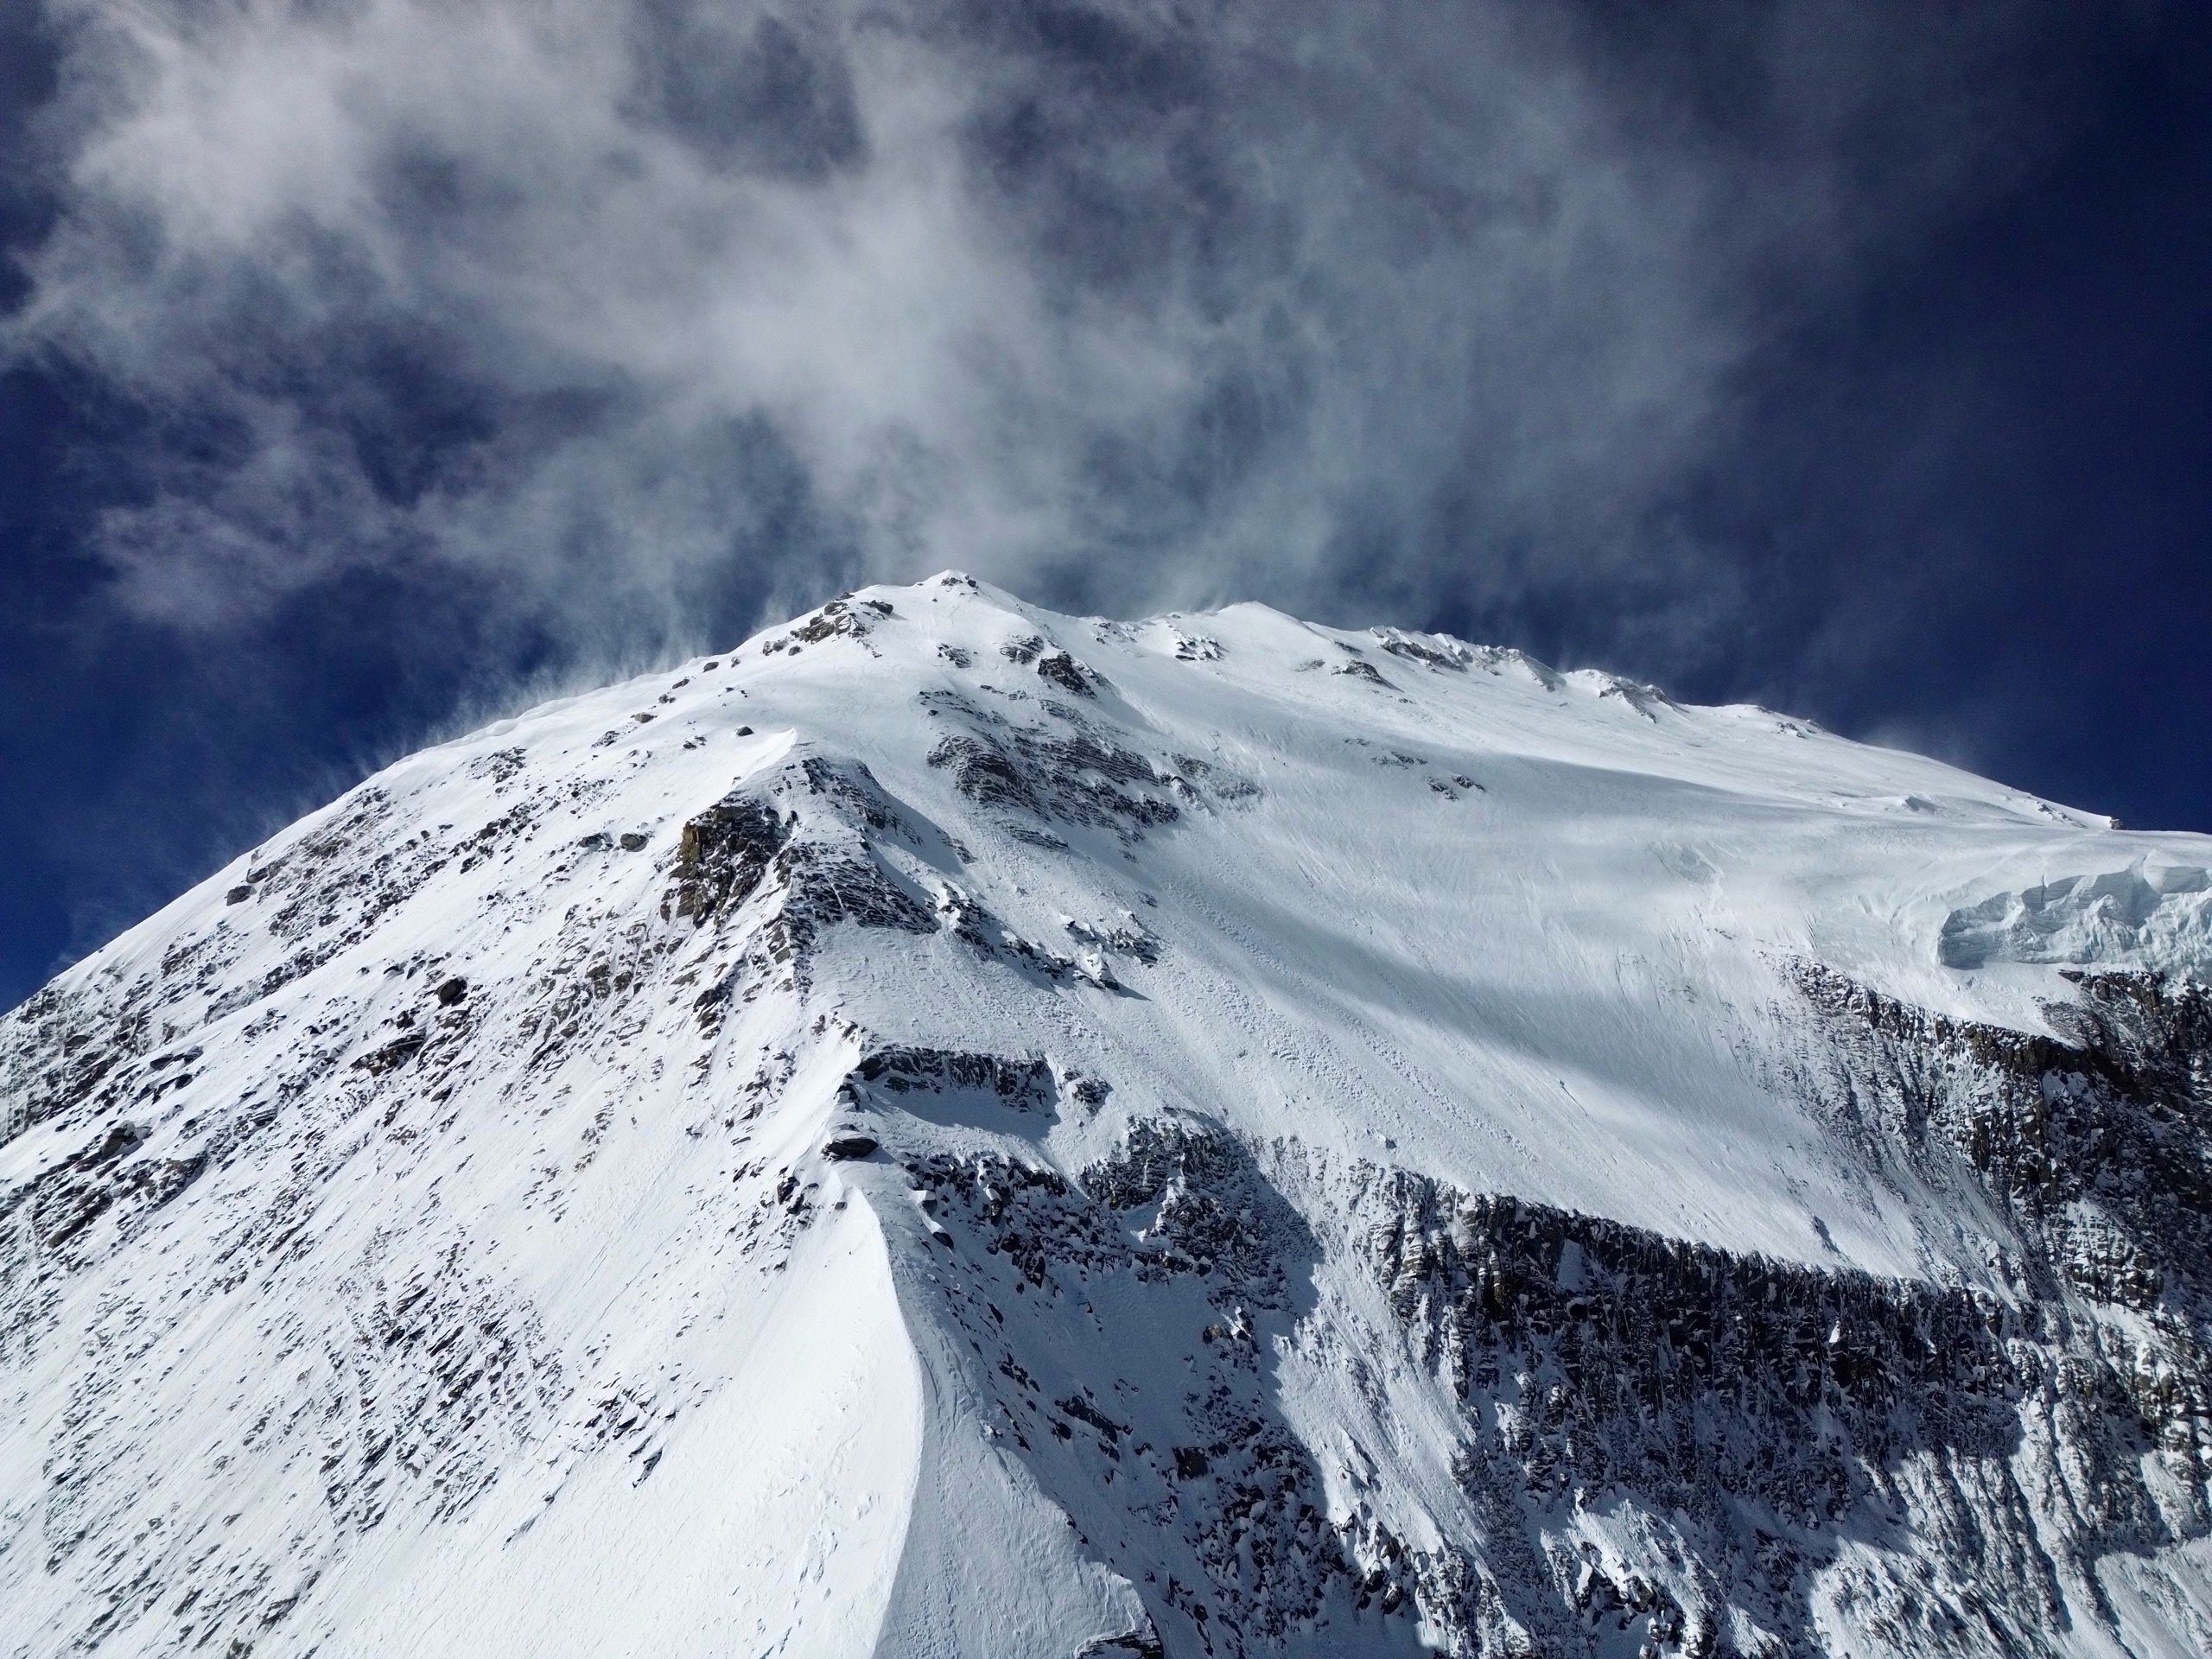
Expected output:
(1760, 1414)
(1220, 784)
(1065, 672)
(1419, 650)
(1218, 1216)
(65, 1199)
(2094, 1150)
(1201, 1495)
(1948, 1460)
(1138, 1644)
(843, 616)
(986, 773)
(1023, 1084)
(1034, 775)
(391, 1055)
(723, 854)
(1643, 1326)
(318, 898)
(827, 884)
(1360, 671)
(807, 830)
(2098, 1146)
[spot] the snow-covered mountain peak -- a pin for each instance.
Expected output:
(955, 1129)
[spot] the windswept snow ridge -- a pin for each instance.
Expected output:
(954, 1130)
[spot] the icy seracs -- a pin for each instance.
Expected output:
(954, 1130)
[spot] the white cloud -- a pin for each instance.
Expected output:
(1149, 306)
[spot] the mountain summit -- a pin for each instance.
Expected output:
(954, 1130)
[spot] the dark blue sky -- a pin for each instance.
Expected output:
(1852, 359)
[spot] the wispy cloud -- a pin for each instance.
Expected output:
(1361, 306)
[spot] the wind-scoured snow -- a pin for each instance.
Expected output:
(952, 1129)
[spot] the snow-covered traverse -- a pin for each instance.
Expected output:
(957, 1132)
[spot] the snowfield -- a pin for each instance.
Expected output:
(952, 1130)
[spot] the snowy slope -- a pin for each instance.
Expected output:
(958, 1130)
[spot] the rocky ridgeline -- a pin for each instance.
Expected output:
(1184, 1478)
(105, 1044)
(812, 836)
(325, 895)
(812, 831)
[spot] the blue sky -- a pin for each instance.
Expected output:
(369, 368)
